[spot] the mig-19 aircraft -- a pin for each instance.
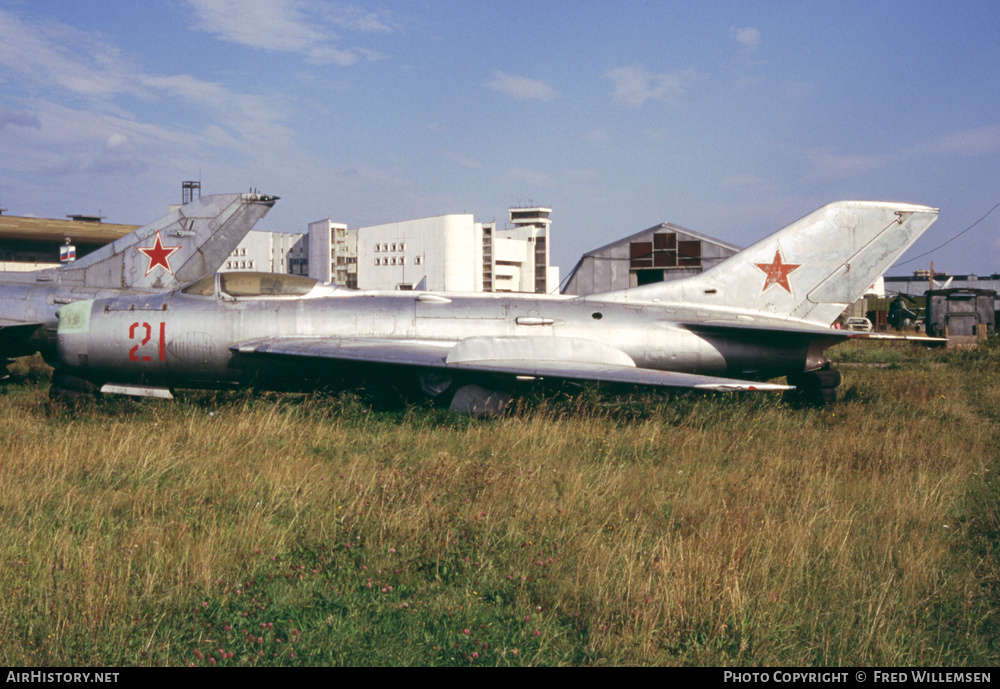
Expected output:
(182, 246)
(763, 313)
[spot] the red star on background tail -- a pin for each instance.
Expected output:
(158, 255)
(777, 272)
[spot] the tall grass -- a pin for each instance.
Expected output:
(693, 530)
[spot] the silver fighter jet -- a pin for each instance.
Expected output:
(182, 246)
(765, 312)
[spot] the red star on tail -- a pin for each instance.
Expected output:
(158, 255)
(777, 272)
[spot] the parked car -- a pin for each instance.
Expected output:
(858, 323)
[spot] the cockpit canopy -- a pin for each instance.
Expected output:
(246, 284)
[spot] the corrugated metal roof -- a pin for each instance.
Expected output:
(665, 227)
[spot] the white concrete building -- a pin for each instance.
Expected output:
(333, 240)
(270, 252)
(521, 253)
(442, 253)
(448, 253)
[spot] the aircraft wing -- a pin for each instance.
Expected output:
(427, 353)
(524, 357)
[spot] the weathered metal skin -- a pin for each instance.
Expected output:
(199, 330)
(727, 329)
(198, 237)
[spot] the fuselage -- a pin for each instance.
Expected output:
(185, 338)
(34, 299)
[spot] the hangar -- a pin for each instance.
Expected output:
(661, 253)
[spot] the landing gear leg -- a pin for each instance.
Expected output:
(71, 390)
(817, 388)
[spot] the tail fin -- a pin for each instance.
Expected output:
(810, 270)
(182, 246)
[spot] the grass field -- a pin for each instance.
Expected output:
(701, 529)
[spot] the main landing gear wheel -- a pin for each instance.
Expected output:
(817, 388)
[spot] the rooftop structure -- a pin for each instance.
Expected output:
(32, 243)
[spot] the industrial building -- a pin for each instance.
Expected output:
(921, 281)
(36, 243)
(659, 254)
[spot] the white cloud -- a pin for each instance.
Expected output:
(116, 140)
(978, 141)
(748, 37)
(328, 55)
(831, 164)
(521, 88)
(634, 85)
(354, 18)
(582, 174)
(463, 160)
(278, 25)
(73, 61)
(61, 55)
(79, 121)
(530, 177)
(296, 26)
(797, 90)
(746, 183)
(15, 118)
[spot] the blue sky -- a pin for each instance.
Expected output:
(730, 118)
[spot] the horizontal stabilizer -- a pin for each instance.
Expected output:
(888, 337)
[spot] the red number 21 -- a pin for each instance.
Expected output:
(133, 354)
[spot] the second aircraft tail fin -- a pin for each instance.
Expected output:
(182, 246)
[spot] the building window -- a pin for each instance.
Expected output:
(689, 254)
(417, 260)
(641, 255)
